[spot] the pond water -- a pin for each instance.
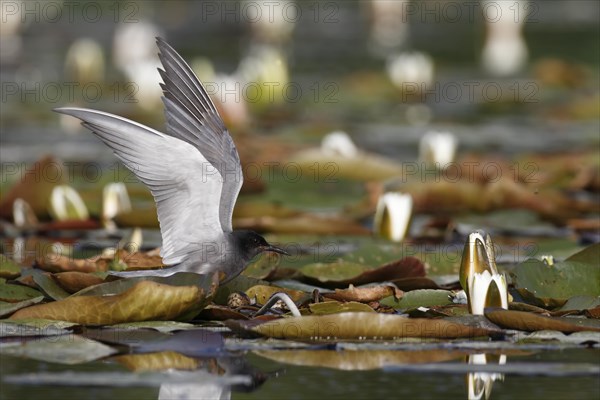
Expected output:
(557, 119)
(555, 374)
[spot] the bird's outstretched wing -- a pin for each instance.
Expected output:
(184, 184)
(191, 116)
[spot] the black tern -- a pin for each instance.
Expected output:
(193, 172)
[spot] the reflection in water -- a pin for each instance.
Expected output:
(480, 383)
(216, 379)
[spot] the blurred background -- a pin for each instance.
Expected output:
(469, 107)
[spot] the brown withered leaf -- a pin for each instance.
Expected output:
(526, 321)
(407, 267)
(365, 295)
(358, 325)
(53, 262)
(74, 281)
(145, 301)
(215, 312)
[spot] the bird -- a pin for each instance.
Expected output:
(193, 171)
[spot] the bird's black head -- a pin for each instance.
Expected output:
(251, 244)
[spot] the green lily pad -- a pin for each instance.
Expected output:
(8, 308)
(8, 268)
(335, 307)
(67, 349)
(589, 255)
(560, 280)
(48, 285)
(336, 271)
(16, 293)
(419, 298)
(581, 303)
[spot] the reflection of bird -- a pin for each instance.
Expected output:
(193, 172)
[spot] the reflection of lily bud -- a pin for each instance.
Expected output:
(66, 204)
(479, 277)
(339, 143)
(392, 216)
(480, 383)
(437, 148)
(115, 200)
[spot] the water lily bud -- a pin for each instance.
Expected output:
(411, 71)
(132, 243)
(438, 148)
(85, 61)
(505, 50)
(479, 277)
(339, 143)
(23, 215)
(478, 256)
(115, 200)
(66, 204)
(392, 216)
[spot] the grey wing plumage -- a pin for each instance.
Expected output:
(191, 116)
(186, 192)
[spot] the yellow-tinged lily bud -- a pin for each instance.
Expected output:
(339, 143)
(66, 204)
(23, 215)
(438, 148)
(392, 216)
(115, 200)
(479, 277)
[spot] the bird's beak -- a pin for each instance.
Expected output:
(275, 249)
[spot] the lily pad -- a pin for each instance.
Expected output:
(146, 300)
(336, 307)
(74, 281)
(341, 274)
(8, 308)
(67, 349)
(9, 328)
(160, 326)
(526, 321)
(360, 325)
(589, 255)
(16, 293)
(365, 294)
(45, 282)
(262, 293)
(581, 303)
(8, 268)
(419, 298)
(560, 281)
